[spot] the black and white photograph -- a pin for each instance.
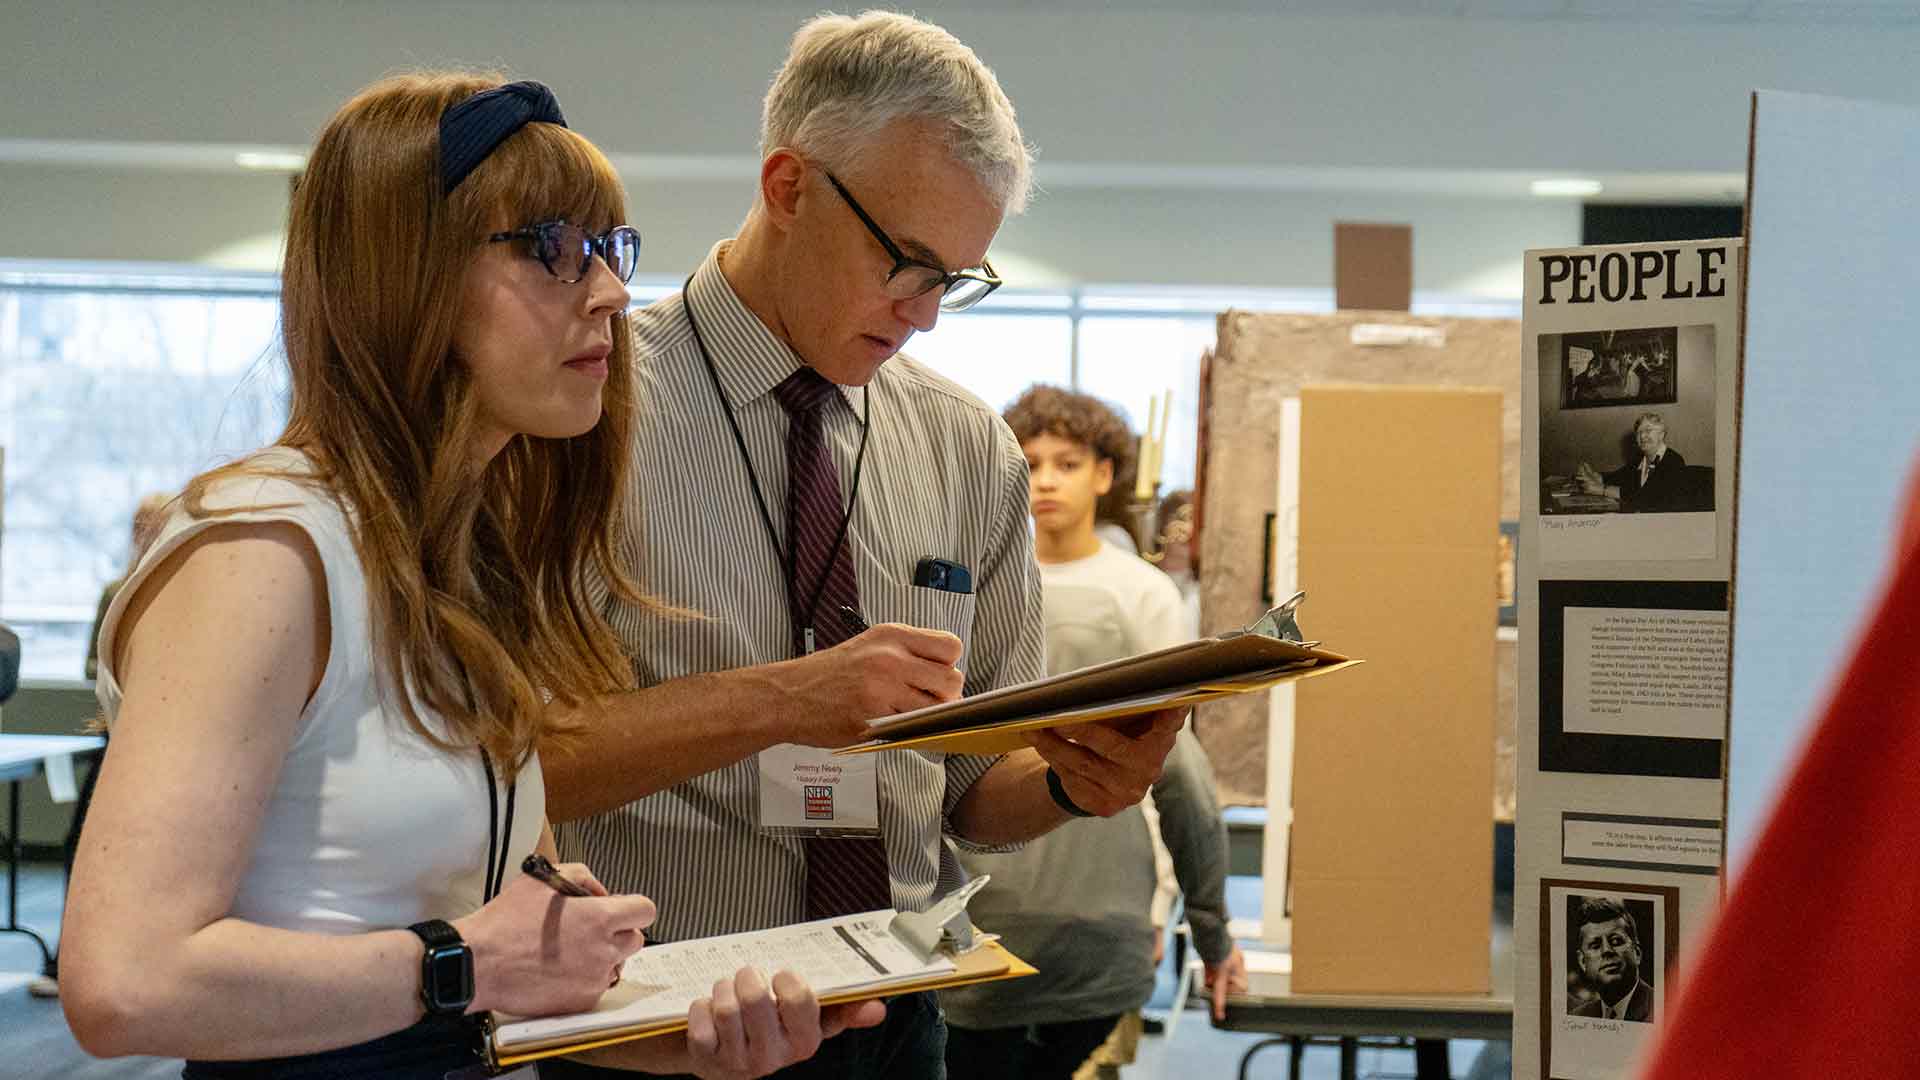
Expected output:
(1606, 954)
(1627, 453)
(1619, 367)
(1627, 436)
(1609, 961)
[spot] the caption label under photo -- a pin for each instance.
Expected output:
(1674, 845)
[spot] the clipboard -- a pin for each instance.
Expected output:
(1266, 654)
(988, 962)
(943, 930)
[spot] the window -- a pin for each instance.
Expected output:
(998, 349)
(113, 386)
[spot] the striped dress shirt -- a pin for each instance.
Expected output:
(944, 477)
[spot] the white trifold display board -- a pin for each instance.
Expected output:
(1629, 399)
(1826, 440)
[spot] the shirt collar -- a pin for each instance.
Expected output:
(1620, 1012)
(750, 359)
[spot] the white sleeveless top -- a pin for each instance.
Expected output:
(370, 827)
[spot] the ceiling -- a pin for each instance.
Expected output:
(1812, 12)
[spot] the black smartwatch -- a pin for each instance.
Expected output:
(1060, 796)
(446, 971)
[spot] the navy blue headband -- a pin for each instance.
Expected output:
(472, 129)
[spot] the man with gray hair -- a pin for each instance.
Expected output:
(852, 529)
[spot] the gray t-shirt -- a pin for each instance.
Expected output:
(1075, 902)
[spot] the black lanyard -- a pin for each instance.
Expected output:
(785, 558)
(496, 875)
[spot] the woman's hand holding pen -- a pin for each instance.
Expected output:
(537, 952)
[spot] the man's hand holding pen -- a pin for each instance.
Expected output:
(888, 669)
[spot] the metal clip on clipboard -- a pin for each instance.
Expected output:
(944, 927)
(1280, 621)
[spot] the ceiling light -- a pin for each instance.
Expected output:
(1566, 185)
(270, 160)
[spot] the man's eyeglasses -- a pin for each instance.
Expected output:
(567, 251)
(959, 289)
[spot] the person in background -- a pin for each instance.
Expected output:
(817, 494)
(1076, 902)
(325, 677)
(1173, 528)
(147, 519)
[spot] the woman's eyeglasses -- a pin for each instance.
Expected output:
(567, 251)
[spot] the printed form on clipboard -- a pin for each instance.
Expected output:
(848, 958)
(1267, 653)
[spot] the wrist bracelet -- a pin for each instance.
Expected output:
(1060, 796)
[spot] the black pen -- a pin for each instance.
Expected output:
(853, 619)
(536, 866)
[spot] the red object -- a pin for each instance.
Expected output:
(819, 801)
(1813, 968)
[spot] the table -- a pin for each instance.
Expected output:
(1559, 495)
(21, 758)
(1271, 1006)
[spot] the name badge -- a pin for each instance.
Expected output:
(807, 791)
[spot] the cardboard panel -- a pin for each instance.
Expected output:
(1260, 360)
(1372, 267)
(1385, 964)
(1393, 767)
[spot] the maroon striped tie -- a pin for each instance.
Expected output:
(846, 875)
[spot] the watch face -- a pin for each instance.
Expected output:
(449, 974)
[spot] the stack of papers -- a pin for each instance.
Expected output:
(843, 959)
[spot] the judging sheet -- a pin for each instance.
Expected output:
(660, 983)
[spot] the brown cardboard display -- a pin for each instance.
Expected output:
(1259, 360)
(1393, 765)
(1372, 267)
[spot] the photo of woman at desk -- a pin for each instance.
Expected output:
(1665, 455)
(1658, 482)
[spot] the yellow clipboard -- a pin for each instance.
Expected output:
(992, 723)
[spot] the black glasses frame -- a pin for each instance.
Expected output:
(939, 277)
(546, 249)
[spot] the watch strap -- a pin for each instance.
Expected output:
(437, 933)
(1060, 796)
(444, 945)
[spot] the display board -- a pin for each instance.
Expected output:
(1393, 770)
(1630, 360)
(1828, 435)
(1258, 361)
